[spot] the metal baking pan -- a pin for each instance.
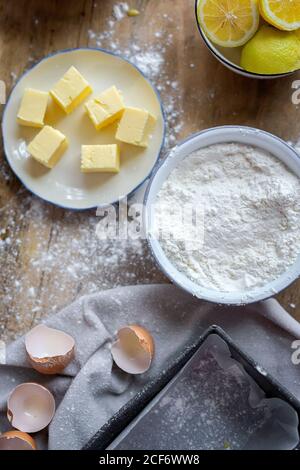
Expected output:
(128, 414)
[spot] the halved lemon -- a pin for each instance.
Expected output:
(229, 23)
(283, 14)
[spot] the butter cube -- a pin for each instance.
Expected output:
(100, 158)
(48, 146)
(106, 108)
(70, 90)
(33, 108)
(136, 126)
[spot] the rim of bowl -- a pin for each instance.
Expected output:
(180, 279)
(105, 51)
(227, 62)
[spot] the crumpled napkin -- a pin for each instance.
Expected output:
(92, 388)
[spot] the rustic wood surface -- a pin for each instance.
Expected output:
(33, 232)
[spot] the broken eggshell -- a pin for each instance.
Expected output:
(133, 350)
(30, 407)
(16, 440)
(49, 350)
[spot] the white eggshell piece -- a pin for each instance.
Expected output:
(130, 353)
(30, 407)
(42, 342)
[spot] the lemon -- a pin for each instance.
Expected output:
(283, 14)
(271, 51)
(229, 23)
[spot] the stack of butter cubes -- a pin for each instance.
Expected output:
(48, 146)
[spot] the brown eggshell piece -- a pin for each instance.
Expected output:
(30, 407)
(133, 350)
(16, 440)
(49, 350)
(145, 338)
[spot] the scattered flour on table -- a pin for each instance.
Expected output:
(250, 233)
(120, 10)
(45, 266)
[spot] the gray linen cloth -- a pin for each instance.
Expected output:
(92, 389)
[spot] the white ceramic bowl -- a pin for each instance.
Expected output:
(230, 57)
(243, 135)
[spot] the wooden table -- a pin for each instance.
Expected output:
(49, 256)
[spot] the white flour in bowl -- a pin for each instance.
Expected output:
(250, 231)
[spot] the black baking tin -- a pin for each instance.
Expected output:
(273, 389)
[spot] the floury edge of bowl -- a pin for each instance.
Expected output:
(251, 217)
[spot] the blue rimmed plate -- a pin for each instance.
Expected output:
(65, 185)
